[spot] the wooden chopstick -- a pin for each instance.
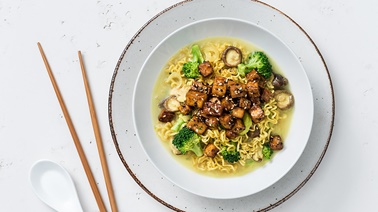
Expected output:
(97, 133)
(71, 127)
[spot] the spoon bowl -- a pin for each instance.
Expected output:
(54, 186)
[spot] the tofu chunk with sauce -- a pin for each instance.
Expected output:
(238, 90)
(257, 113)
(195, 98)
(197, 125)
(237, 112)
(253, 89)
(219, 86)
(227, 121)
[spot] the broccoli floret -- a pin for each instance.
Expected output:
(243, 70)
(231, 156)
(197, 55)
(267, 151)
(177, 126)
(190, 69)
(187, 140)
(258, 61)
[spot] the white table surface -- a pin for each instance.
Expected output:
(32, 125)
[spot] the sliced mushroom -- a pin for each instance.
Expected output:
(171, 104)
(232, 56)
(284, 98)
(279, 81)
(254, 133)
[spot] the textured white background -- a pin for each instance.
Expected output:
(32, 126)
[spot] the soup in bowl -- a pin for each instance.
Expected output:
(222, 102)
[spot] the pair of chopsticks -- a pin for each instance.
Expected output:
(76, 140)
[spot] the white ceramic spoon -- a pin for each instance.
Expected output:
(54, 186)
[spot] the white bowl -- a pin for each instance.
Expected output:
(232, 187)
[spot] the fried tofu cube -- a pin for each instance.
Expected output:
(239, 126)
(219, 86)
(184, 109)
(201, 87)
(253, 76)
(213, 108)
(238, 90)
(205, 69)
(195, 98)
(211, 150)
(245, 103)
(197, 125)
(166, 116)
(231, 134)
(257, 113)
(227, 121)
(253, 89)
(212, 122)
(238, 112)
(266, 95)
(227, 103)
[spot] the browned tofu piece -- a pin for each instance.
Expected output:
(245, 103)
(239, 126)
(201, 87)
(205, 69)
(231, 134)
(212, 122)
(238, 90)
(237, 112)
(227, 121)
(257, 113)
(195, 98)
(266, 95)
(253, 76)
(213, 107)
(219, 86)
(253, 89)
(166, 116)
(227, 103)
(230, 83)
(197, 125)
(255, 101)
(184, 108)
(211, 150)
(276, 143)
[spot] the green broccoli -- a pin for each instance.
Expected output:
(258, 61)
(187, 140)
(267, 151)
(197, 55)
(231, 156)
(190, 69)
(247, 120)
(177, 125)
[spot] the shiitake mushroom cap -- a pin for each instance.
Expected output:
(232, 56)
